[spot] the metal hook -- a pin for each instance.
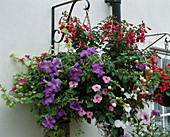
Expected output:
(70, 12)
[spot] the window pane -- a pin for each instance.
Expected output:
(158, 107)
(167, 123)
(166, 110)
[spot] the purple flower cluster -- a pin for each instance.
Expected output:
(84, 53)
(75, 106)
(49, 123)
(53, 67)
(98, 70)
(142, 66)
(75, 73)
(50, 88)
(154, 113)
(59, 112)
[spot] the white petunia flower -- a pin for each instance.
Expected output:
(127, 109)
(118, 123)
(127, 95)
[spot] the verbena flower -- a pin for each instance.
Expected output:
(89, 114)
(75, 105)
(96, 87)
(97, 98)
(49, 123)
(82, 112)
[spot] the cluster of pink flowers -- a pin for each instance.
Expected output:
(14, 88)
(82, 113)
(22, 80)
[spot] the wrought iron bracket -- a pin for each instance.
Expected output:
(53, 30)
(159, 34)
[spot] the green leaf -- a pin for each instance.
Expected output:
(101, 118)
(12, 105)
(111, 121)
(8, 102)
(39, 95)
(90, 104)
(3, 96)
(114, 131)
(168, 93)
(124, 118)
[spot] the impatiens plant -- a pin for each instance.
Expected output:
(102, 76)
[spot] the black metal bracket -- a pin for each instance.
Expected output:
(53, 30)
(159, 34)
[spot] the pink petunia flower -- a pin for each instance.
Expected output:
(106, 79)
(96, 87)
(111, 108)
(97, 98)
(104, 91)
(73, 84)
(89, 114)
(82, 112)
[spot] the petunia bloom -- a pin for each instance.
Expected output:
(49, 123)
(75, 106)
(146, 118)
(59, 112)
(73, 84)
(98, 70)
(104, 91)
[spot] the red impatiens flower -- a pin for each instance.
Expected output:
(148, 75)
(164, 76)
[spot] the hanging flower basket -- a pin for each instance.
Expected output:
(102, 76)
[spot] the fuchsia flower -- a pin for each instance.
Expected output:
(82, 112)
(89, 114)
(97, 98)
(14, 88)
(106, 79)
(73, 84)
(96, 87)
(104, 91)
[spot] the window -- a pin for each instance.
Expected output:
(164, 111)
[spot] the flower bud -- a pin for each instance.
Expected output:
(136, 61)
(109, 87)
(147, 68)
(147, 92)
(114, 104)
(117, 98)
(138, 89)
(122, 89)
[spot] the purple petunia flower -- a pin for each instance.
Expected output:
(84, 53)
(46, 66)
(47, 91)
(42, 80)
(146, 118)
(75, 73)
(155, 87)
(155, 113)
(57, 66)
(48, 100)
(59, 112)
(142, 66)
(54, 85)
(75, 106)
(49, 123)
(98, 70)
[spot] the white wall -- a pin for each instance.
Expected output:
(25, 29)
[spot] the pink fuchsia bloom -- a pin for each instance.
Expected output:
(37, 66)
(22, 59)
(44, 54)
(111, 108)
(89, 114)
(146, 118)
(97, 98)
(82, 112)
(73, 84)
(104, 91)
(106, 79)
(14, 88)
(96, 87)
